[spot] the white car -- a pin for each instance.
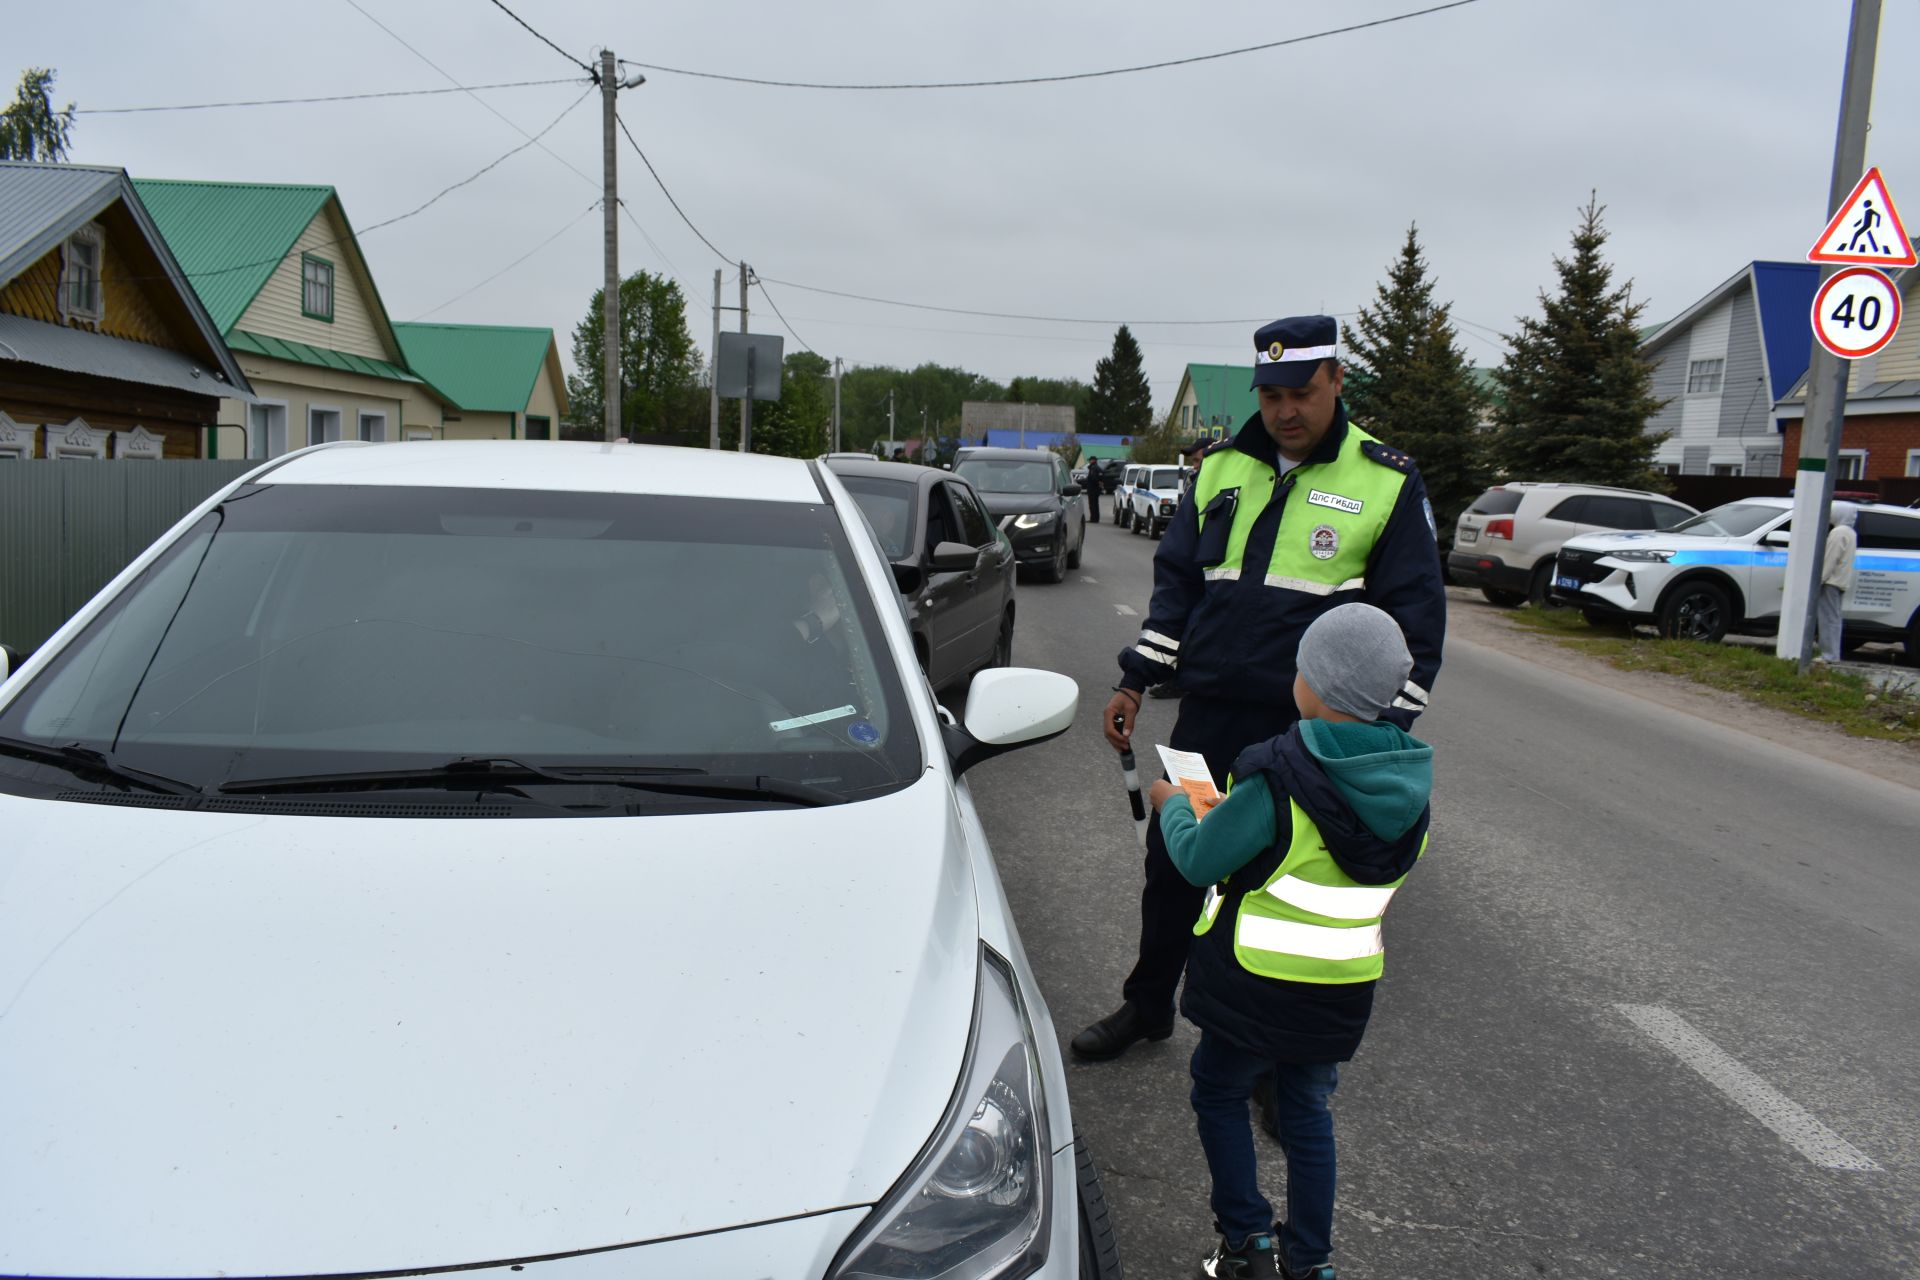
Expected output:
(446, 858)
(1505, 541)
(1154, 498)
(1726, 571)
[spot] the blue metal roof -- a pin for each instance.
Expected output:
(1784, 292)
(1009, 438)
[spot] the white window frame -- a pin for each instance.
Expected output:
(16, 439)
(419, 433)
(93, 307)
(1712, 370)
(376, 416)
(275, 442)
(78, 439)
(1858, 468)
(1913, 462)
(335, 416)
(139, 444)
(1726, 468)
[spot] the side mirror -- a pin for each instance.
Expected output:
(953, 557)
(1777, 538)
(8, 661)
(908, 576)
(1071, 491)
(1007, 708)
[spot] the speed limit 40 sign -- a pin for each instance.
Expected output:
(1856, 313)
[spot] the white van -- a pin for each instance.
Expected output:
(1726, 571)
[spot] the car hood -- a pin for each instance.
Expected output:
(1605, 542)
(283, 1045)
(1013, 504)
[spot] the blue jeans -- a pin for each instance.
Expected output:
(1223, 1076)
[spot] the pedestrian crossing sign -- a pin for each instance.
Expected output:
(1866, 231)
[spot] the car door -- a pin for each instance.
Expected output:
(1886, 571)
(1763, 578)
(946, 597)
(981, 610)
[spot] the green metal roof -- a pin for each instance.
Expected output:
(301, 353)
(229, 236)
(482, 367)
(1105, 452)
(1223, 394)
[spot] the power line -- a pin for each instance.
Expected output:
(338, 97)
(1007, 315)
(783, 320)
(550, 44)
(1057, 79)
(663, 189)
(575, 221)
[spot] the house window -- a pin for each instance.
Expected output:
(80, 275)
(316, 288)
(373, 428)
(1703, 376)
(1728, 469)
(266, 430)
(1853, 465)
(322, 425)
(1913, 462)
(539, 428)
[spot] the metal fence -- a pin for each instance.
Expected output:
(67, 527)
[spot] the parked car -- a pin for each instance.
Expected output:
(1726, 571)
(955, 570)
(1505, 541)
(1123, 493)
(455, 859)
(1035, 503)
(1154, 498)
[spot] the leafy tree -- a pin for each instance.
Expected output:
(1068, 450)
(30, 129)
(1160, 442)
(1575, 395)
(1410, 384)
(662, 373)
(800, 423)
(1067, 391)
(1120, 403)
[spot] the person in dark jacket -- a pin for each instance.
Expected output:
(1319, 828)
(1095, 479)
(1300, 512)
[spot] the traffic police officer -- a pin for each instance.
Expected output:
(1300, 512)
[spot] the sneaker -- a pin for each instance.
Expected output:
(1322, 1272)
(1255, 1258)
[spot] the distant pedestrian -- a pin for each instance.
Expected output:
(1321, 827)
(1095, 479)
(1836, 578)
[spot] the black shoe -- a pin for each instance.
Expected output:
(1255, 1258)
(1109, 1037)
(1322, 1272)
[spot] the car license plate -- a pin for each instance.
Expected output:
(1469, 535)
(1567, 584)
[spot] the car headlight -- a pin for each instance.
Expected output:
(977, 1203)
(1166, 504)
(1641, 553)
(1034, 520)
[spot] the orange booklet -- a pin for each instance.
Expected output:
(1189, 772)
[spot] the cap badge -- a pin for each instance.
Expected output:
(1324, 542)
(1275, 351)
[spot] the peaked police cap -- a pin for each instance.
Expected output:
(1286, 352)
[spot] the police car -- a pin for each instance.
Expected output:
(1153, 499)
(1726, 571)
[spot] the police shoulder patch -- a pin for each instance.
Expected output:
(1386, 455)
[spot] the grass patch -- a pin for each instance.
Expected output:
(1840, 698)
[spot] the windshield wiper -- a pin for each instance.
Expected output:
(85, 760)
(489, 771)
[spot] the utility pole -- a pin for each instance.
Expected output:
(610, 297)
(713, 391)
(1827, 375)
(837, 365)
(746, 404)
(889, 422)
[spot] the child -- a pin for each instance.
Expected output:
(1318, 830)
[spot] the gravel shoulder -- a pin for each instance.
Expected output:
(1472, 620)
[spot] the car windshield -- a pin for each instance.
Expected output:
(888, 506)
(319, 629)
(1165, 478)
(1735, 520)
(1008, 475)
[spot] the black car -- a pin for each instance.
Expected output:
(954, 569)
(1036, 504)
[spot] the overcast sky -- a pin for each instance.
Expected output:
(1232, 190)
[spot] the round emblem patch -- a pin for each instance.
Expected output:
(863, 733)
(1324, 542)
(1275, 351)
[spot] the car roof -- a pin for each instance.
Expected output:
(880, 469)
(1786, 504)
(990, 454)
(563, 465)
(1529, 485)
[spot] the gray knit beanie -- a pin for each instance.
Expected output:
(1355, 658)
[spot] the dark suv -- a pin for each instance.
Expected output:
(1035, 503)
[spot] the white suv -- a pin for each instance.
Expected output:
(1123, 493)
(1726, 571)
(1154, 498)
(1504, 543)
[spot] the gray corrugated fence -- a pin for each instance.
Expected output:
(67, 527)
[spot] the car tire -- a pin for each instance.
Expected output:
(1003, 645)
(1912, 655)
(1056, 570)
(1073, 556)
(1540, 586)
(1120, 517)
(1696, 610)
(1099, 1244)
(1505, 599)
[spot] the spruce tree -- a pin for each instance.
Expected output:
(1121, 402)
(1575, 394)
(1411, 386)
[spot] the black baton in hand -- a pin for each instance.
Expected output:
(1132, 775)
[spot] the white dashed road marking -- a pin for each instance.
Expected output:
(1091, 581)
(1762, 1101)
(1125, 611)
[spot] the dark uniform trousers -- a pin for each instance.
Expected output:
(1169, 906)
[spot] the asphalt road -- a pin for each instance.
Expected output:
(1650, 997)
